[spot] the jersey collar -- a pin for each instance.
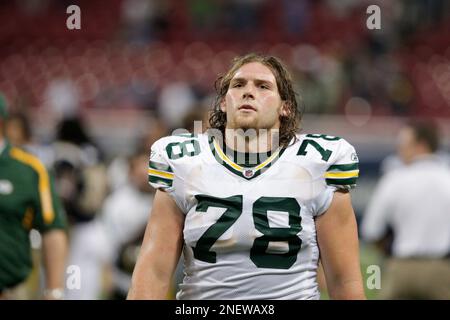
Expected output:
(244, 172)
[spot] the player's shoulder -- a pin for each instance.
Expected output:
(327, 148)
(28, 160)
(180, 145)
(332, 156)
(173, 156)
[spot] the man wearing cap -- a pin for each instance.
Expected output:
(28, 200)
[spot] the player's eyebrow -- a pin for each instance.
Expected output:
(266, 82)
(239, 80)
(257, 81)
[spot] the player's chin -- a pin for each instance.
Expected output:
(246, 122)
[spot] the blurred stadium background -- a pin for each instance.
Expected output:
(138, 69)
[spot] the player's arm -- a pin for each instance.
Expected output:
(160, 251)
(50, 220)
(337, 237)
(54, 245)
(55, 248)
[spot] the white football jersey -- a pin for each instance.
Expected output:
(249, 233)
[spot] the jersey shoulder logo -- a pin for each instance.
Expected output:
(6, 187)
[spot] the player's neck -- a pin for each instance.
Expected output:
(251, 141)
(246, 159)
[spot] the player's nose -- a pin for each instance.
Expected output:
(248, 93)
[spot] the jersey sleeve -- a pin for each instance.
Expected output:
(50, 213)
(160, 173)
(343, 171)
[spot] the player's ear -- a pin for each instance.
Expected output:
(284, 110)
(223, 106)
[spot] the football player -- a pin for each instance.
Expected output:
(251, 203)
(28, 200)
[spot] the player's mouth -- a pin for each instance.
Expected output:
(247, 107)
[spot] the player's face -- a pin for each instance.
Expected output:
(15, 132)
(253, 100)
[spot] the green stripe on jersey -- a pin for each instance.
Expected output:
(159, 166)
(342, 182)
(343, 167)
(161, 181)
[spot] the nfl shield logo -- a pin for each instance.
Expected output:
(249, 173)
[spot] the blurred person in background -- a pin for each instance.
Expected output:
(411, 206)
(80, 178)
(18, 130)
(19, 133)
(28, 200)
(124, 217)
(113, 238)
(80, 173)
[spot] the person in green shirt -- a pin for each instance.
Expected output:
(28, 200)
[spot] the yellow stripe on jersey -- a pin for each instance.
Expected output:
(268, 160)
(44, 182)
(225, 158)
(161, 174)
(343, 175)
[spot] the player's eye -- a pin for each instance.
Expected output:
(237, 85)
(263, 86)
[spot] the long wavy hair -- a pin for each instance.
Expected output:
(290, 124)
